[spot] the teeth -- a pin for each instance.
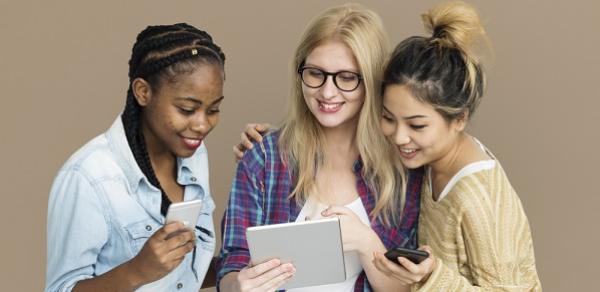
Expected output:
(330, 105)
(408, 151)
(191, 141)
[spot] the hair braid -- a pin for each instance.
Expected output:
(162, 52)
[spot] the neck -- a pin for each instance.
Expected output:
(340, 144)
(447, 165)
(162, 160)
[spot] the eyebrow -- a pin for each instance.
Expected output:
(197, 101)
(353, 70)
(408, 117)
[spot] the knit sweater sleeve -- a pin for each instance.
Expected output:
(497, 241)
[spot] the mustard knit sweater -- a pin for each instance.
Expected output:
(480, 236)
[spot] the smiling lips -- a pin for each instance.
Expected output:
(192, 144)
(330, 108)
(407, 153)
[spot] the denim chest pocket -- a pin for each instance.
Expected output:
(139, 232)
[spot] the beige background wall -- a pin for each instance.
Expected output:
(63, 80)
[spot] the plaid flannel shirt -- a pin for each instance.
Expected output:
(259, 196)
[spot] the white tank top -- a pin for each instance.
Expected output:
(312, 209)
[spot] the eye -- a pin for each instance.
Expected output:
(314, 72)
(213, 111)
(347, 76)
(418, 127)
(186, 111)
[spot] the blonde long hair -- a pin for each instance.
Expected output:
(301, 139)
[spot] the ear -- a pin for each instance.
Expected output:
(460, 123)
(141, 91)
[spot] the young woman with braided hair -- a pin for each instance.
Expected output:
(472, 222)
(108, 203)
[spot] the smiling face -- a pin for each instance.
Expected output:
(180, 114)
(422, 135)
(329, 105)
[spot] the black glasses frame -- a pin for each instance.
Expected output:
(327, 74)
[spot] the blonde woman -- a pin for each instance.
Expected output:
(329, 158)
(471, 217)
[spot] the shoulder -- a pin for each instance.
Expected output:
(262, 153)
(95, 160)
(488, 190)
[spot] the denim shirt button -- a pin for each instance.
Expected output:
(193, 178)
(148, 227)
(179, 286)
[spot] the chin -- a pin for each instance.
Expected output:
(184, 153)
(412, 163)
(331, 121)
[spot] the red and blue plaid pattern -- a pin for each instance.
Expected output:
(259, 196)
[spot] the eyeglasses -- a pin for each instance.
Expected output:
(343, 80)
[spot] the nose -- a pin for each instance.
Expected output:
(401, 136)
(329, 90)
(200, 124)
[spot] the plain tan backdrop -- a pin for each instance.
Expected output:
(63, 80)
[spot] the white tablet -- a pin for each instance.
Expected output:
(314, 247)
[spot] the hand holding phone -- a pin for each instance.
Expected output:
(415, 256)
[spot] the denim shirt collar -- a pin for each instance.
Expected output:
(187, 171)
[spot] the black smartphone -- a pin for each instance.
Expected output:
(415, 256)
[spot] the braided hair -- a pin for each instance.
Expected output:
(160, 54)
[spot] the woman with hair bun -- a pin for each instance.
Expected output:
(472, 222)
(107, 206)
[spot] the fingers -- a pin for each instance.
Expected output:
(335, 210)
(180, 252)
(263, 127)
(253, 131)
(277, 281)
(164, 232)
(409, 265)
(378, 263)
(181, 239)
(245, 142)
(273, 277)
(255, 271)
(391, 269)
(427, 249)
(237, 151)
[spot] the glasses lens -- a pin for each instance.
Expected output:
(347, 81)
(313, 77)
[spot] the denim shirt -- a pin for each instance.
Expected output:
(102, 209)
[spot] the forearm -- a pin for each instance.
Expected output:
(123, 278)
(379, 281)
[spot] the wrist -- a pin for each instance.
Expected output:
(228, 282)
(431, 271)
(133, 275)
